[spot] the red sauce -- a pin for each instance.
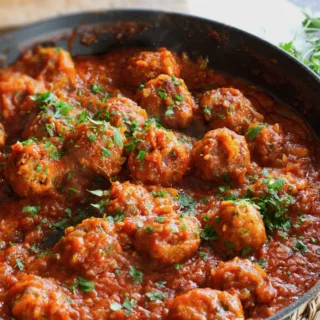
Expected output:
(181, 192)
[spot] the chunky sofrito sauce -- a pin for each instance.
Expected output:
(142, 184)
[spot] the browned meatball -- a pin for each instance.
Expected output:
(53, 65)
(169, 240)
(245, 279)
(16, 90)
(205, 304)
(267, 144)
(122, 112)
(135, 200)
(99, 147)
(159, 158)
(239, 227)
(221, 156)
(35, 298)
(34, 168)
(146, 65)
(228, 107)
(56, 118)
(169, 99)
(90, 248)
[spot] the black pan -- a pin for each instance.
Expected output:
(228, 49)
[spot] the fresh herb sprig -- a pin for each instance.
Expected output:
(311, 58)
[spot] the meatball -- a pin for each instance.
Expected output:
(239, 227)
(99, 147)
(221, 156)
(2, 136)
(90, 248)
(159, 158)
(146, 65)
(267, 144)
(16, 104)
(129, 199)
(58, 119)
(205, 304)
(169, 99)
(245, 279)
(35, 169)
(53, 65)
(35, 298)
(122, 112)
(227, 107)
(169, 240)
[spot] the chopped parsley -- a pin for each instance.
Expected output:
(299, 246)
(207, 110)
(115, 306)
(96, 88)
(148, 229)
(32, 210)
(162, 93)
(129, 305)
(169, 112)
(99, 193)
(160, 193)
(178, 97)
(262, 263)
(208, 233)
(50, 127)
(136, 275)
(229, 244)
(117, 139)
(175, 81)
(158, 295)
(187, 203)
(253, 132)
(204, 256)
(178, 266)
(19, 264)
(221, 116)
(160, 284)
(141, 155)
(83, 285)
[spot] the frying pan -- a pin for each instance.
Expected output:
(228, 49)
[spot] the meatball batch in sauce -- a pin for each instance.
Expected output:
(143, 184)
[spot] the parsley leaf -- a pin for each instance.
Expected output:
(175, 81)
(96, 88)
(117, 139)
(115, 306)
(153, 296)
(160, 193)
(141, 155)
(253, 132)
(136, 275)
(187, 203)
(162, 93)
(208, 233)
(299, 246)
(99, 193)
(83, 285)
(19, 264)
(33, 210)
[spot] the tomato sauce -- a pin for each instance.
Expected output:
(142, 184)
